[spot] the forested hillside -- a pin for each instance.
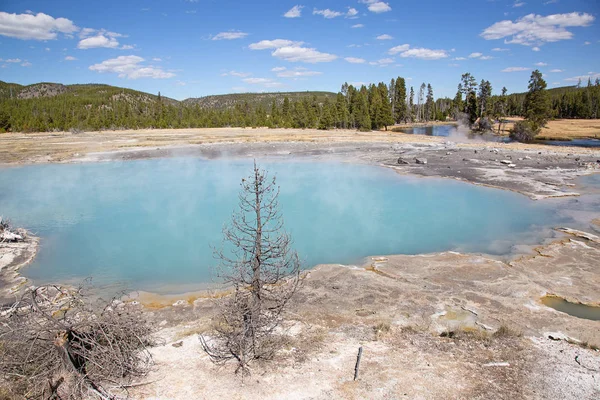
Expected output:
(224, 101)
(581, 101)
(56, 107)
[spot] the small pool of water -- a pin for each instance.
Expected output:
(574, 309)
(150, 224)
(453, 131)
(574, 142)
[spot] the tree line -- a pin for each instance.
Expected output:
(368, 107)
(373, 106)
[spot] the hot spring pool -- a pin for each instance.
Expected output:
(150, 224)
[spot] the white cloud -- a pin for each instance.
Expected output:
(591, 75)
(236, 73)
(535, 48)
(384, 37)
(384, 62)
(127, 47)
(398, 49)
(518, 4)
(358, 26)
(13, 60)
(499, 49)
(515, 69)
(535, 29)
(98, 41)
(157, 59)
(541, 64)
(556, 71)
(377, 6)
(266, 82)
(70, 58)
(587, 43)
(486, 57)
(180, 83)
(26, 64)
(475, 55)
(297, 73)
(129, 67)
(327, 13)
(425, 54)
(294, 12)
(302, 54)
(34, 27)
(277, 69)
(293, 51)
(273, 44)
(47, 48)
(352, 13)
(231, 35)
(354, 60)
(459, 59)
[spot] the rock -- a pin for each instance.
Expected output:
(506, 162)
(7, 236)
(180, 303)
(475, 151)
(527, 158)
(448, 153)
(421, 160)
(511, 166)
(178, 344)
(402, 161)
(520, 159)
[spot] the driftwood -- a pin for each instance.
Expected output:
(61, 343)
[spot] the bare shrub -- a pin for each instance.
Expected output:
(258, 263)
(56, 344)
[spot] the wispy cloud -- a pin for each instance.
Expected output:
(515, 69)
(327, 13)
(297, 73)
(266, 82)
(294, 12)
(293, 51)
(130, 67)
(355, 60)
(230, 35)
(384, 37)
(534, 30)
(236, 73)
(358, 26)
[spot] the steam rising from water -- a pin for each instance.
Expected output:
(150, 223)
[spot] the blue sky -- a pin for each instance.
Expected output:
(186, 48)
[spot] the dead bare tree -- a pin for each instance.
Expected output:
(56, 344)
(258, 263)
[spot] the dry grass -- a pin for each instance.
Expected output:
(561, 129)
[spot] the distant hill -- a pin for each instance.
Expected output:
(50, 106)
(226, 101)
(92, 93)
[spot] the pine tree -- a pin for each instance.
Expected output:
(429, 104)
(537, 105)
(400, 110)
(361, 110)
